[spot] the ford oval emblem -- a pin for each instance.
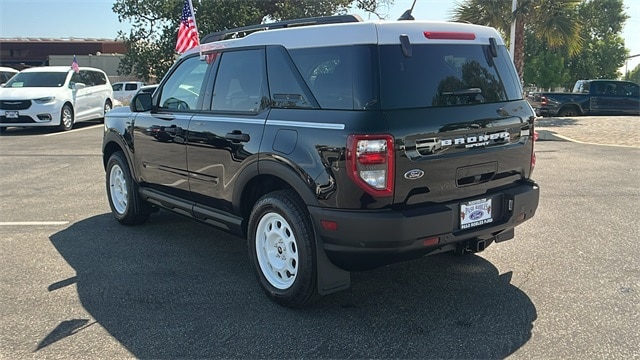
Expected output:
(476, 215)
(414, 174)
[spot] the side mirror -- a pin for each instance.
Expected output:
(77, 86)
(140, 102)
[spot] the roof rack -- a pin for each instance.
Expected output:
(246, 30)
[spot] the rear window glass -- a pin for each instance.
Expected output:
(445, 75)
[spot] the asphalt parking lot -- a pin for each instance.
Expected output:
(76, 284)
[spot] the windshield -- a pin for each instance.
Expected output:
(37, 79)
(445, 75)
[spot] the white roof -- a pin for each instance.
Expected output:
(57, 69)
(8, 69)
(369, 32)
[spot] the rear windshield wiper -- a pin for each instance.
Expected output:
(463, 92)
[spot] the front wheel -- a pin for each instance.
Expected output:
(126, 204)
(66, 118)
(281, 249)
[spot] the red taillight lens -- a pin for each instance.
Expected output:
(449, 35)
(370, 163)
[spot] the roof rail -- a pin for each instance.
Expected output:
(246, 30)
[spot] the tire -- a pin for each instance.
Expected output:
(126, 204)
(282, 249)
(107, 108)
(66, 118)
(569, 111)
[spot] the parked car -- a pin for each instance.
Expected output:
(591, 97)
(54, 96)
(6, 73)
(124, 91)
(333, 145)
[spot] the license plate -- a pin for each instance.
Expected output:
(11, 114)
(475, 213)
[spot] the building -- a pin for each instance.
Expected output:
(104, 54)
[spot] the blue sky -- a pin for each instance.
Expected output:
(95, 19)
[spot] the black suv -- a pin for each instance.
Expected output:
(333, 145)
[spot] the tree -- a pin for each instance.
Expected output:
(544, 68)
(154, 24)
(603, 52)
(551, 21)
(634, 75)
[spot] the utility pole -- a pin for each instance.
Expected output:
(512, 38)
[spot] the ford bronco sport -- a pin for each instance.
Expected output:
(332, 145)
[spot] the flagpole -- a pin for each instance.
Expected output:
(193, 13)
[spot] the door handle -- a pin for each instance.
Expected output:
(238, 136)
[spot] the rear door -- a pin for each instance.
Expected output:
(461, 126)
(226, 137)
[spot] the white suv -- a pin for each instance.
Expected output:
(54, 96)
(6, 74)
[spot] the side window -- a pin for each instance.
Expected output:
(99, 78)
(182, 89)
(131, 87)
(87, 78)
(328, 72)
(76, 78)
(632, 90)
(240, 82)
(117, 87)
(287, 88)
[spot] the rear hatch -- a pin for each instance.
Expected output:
(461, 126)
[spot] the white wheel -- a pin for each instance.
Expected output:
(118, 189)
(281, 247)
(126, 204)
(277, 251)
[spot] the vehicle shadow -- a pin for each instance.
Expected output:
(556, 121)
(28, 131)
(173, 288)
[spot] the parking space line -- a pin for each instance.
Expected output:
(75, 130)
(33, 223)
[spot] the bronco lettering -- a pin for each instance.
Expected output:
(476, 140)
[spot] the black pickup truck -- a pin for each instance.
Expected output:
(590, 97)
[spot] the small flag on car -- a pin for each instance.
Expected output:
(74, 65)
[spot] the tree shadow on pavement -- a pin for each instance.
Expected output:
(174, 288)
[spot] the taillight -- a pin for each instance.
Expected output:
(370, 163)
(543, 100)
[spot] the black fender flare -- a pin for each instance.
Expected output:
(297, 179)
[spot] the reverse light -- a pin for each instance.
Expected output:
(44, 100)
(370, 163)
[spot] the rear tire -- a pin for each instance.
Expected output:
(282, 249)
(107, 108)
(569, 111)
(66, 118)
(126, 204)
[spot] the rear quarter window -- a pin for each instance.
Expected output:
(340, 77)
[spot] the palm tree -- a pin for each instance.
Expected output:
(554, 22)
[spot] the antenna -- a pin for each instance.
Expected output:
(407, 14)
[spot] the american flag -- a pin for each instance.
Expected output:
(74, 65)
(187, 33)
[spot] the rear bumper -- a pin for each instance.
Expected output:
(387, 236)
